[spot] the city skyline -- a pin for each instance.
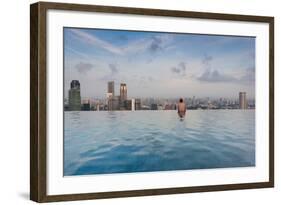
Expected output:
(115, 102)
(161, 65)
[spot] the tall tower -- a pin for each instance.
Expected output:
(110, 87)
(74, 96)
(242, 100)
(110, 95)
(123, 92)
(123, 96)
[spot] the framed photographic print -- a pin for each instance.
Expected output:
(134, 102)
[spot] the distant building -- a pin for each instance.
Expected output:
(168, 107)
(112, 100)
(242, 100)
(160, 107)
(137, 104)
(86, 106)
(114, 103)
(123, 96)
(110, 88)
(127, 105)
(133, 104)
(123, 92)
(74, 96)
(65, 104)
(154, 106)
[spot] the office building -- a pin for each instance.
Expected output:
(114, 103)
(137, 104)
(154, 106)
(86, 106)
(110, 88)
(123, 96)
(127, 105)
(74, 96)
(123, 92)
(242, 100)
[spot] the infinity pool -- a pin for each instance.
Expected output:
(144, 141)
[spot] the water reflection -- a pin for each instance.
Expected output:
(181, 115)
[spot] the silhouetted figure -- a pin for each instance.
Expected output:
(181, 108)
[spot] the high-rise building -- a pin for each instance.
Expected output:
(113, 103)
(110, 87)
(123, 96)
(242, 100)
(127, 105)
(123, 91)
(112, 100)
(137, 104)
(74, 96)
(154, 106)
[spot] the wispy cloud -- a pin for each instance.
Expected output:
(179, 69)
(92, 39)
(242, 76)
(214, 76)
(152, 44)
(113, 72)
(113, 68)
(80, 54)
(84, 68)
(248, 76)
(206, 61)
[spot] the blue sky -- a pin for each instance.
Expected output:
(161, 65)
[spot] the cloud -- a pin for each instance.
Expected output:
(76, 52)
(179, 69)
(152, 44)
(113, 68)
(143, 81)
(92, 39)
(207, 60)
(155, 44)
(84, 68)
(248, 76)
(123, 37)
(215, 77)
(113, 72)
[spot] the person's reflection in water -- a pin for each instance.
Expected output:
(181, 109)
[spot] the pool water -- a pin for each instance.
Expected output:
(144, 141)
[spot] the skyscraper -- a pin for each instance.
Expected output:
(137, 104)
(113, 102)
(74, 96)
(110, 87)
(123, 91)
(123, 95)
(242, 100)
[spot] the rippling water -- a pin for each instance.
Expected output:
(124, 141)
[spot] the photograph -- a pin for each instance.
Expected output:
(148, 101)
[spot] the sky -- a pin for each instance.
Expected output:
(157, 64)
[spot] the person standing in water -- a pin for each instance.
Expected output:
(181, 108)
